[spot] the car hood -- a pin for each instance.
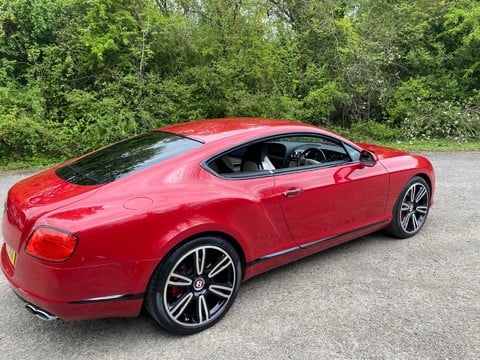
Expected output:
(382, 152)
(37, 195)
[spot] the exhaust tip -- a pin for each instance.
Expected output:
(41, 314)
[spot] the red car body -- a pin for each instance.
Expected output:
(127, 226)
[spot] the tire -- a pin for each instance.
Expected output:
(411, 209)
(194, 286)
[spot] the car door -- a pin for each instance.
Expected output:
(331, 198)
(249, 201)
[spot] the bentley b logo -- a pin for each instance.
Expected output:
(198, 284)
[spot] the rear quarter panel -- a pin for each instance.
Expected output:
(186, 202)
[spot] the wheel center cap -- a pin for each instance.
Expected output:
(198, 284)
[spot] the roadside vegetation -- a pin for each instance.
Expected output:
(76, 75)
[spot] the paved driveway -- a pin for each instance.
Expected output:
(371, 298)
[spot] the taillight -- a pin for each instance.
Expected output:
(51, 244)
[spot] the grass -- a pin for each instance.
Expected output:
(433, 145)
(28, 163)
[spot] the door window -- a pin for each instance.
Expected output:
(280, 154)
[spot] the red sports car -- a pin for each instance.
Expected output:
(175, 219)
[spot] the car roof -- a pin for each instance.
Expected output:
(212, 130)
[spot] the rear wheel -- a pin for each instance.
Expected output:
(411, 209)
(195, 285)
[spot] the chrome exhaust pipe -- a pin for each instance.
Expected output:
(41, 314)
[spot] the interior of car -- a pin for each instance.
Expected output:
(282, 154)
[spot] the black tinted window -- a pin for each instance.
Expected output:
(124, 158)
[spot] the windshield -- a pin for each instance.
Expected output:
(126, 157)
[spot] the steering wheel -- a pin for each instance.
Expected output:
(312, 156)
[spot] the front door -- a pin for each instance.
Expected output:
(325, 201)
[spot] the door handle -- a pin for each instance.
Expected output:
(292, 192)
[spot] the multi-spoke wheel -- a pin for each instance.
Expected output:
(194, 286)
(411, 209)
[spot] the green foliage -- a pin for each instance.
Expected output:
(20, 135)
(462, 36)
(451, 120)
(423, 114)
(321, 103)
(375, 131)
(76, 75)
(406, 98)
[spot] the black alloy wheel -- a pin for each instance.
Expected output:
(195, 285)
(411, 209)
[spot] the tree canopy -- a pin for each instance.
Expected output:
(76, 75)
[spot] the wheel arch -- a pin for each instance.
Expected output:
(430, 183)
(426, 178)
(207, 233)
(222, 235)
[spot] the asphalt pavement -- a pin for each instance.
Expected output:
(372, 298)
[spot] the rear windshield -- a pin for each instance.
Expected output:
(124, 158)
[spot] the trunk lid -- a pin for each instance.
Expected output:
(33, 197)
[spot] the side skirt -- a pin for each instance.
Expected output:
(279, 258)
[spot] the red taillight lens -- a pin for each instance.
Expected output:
(51, 244)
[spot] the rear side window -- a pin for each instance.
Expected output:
(125, 158)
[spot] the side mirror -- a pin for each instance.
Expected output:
(368, 158)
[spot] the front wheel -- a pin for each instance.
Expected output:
(411, 209)
(195, 285)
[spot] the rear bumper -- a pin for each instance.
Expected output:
(86, 305)
(35, 310)
(83, 311)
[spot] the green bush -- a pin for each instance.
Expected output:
(20, 136)
(446, 119)
(422, 112)
(371, 130)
